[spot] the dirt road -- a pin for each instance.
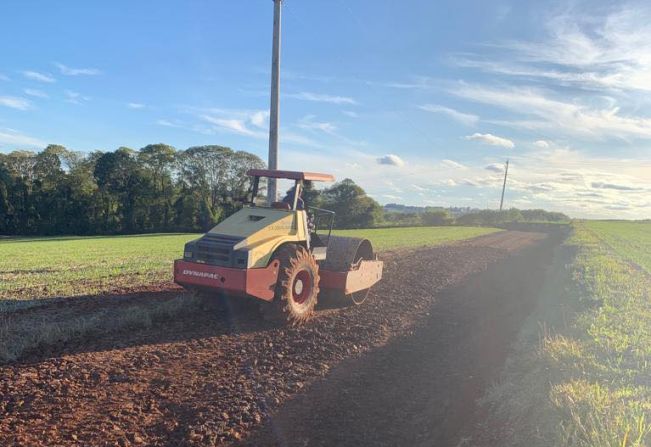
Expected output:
(402, 369)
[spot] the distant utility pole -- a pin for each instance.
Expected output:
(274, 110)
(506, 173)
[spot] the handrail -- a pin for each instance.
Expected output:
(316, 223)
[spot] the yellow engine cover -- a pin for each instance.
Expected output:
(264, 230)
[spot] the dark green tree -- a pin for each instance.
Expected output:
(353, 208)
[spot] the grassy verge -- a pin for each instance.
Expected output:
(21, 335)
(580, 374)
(71, 266)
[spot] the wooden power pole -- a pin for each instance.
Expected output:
(506, 173)
(274, 109)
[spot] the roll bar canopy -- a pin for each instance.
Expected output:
(291, 175)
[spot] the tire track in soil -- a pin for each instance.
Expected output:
(211, 378)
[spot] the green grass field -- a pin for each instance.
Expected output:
(630, 240)
(580, 375)
(72, 266)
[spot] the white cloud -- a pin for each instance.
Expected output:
(463, 118)
(68, 71)
(36, 93)
(12, 138)
(491, 139)
(318, 97)
(260, 119)
(15, 103)
(75, 97)
(4, 77)
(391, 159)
(541, 144)
(40, 77)
(350, 113)
(136, 105)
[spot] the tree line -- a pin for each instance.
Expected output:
(154, 189)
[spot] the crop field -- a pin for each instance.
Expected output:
(32, 268)
(630, 240)
(580, 376)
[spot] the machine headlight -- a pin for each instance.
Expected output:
(188, 251)
(241, 259)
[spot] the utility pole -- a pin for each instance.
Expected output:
(506, 173)
(274, 110)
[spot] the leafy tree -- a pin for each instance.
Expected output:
(159, 162)
(436, 218)
(353, 208)
(122, 184)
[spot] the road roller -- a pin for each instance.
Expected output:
(283, 254)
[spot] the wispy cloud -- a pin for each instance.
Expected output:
(15, 103)
(238, 126)
(76, 97)
(168, 123)
(12, 138)
(414, 83)
(580, 48)
(308, 122)
(452, 164)
(543, 111)
(36, 93)
(68, 71)
(615, 186)
(467, 119)
(491, 139)
(350, 113)
(319, 97)
(495, 167)
(4, 77)
(136, 105)
(40, 77)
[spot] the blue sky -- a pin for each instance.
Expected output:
(420, 102)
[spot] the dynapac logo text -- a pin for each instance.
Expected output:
(202, 274)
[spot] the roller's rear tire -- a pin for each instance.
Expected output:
(297, 288)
